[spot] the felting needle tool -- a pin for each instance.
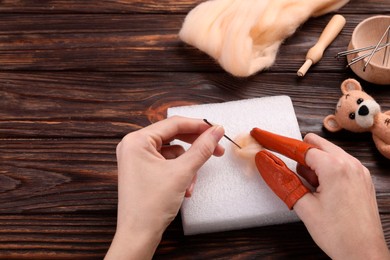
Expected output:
(207, 122)
(387, 42)
(359, 58)
(344, 53)
(375, 50)
(314, 55)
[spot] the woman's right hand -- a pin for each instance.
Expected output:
(342, 214)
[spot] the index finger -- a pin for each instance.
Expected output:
(318, 159)
(324, 144)
(326, 157)
(167, 129)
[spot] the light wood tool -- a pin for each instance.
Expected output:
(314, 55)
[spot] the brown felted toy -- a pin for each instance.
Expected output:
(356, 111)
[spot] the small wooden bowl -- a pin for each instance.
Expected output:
(366, 34)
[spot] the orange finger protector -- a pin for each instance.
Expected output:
(283, 182)
(292, 148)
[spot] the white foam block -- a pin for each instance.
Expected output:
(228, 195)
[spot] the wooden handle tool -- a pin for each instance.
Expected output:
(314, 55)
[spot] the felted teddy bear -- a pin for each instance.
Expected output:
(356, 111)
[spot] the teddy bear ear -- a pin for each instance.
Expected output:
(331, 124)
(350, 84)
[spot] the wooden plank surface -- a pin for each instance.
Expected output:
(150, 6)
(56, 175)
(58, 236)
(137, 43)
(76, 76)
(78, 104)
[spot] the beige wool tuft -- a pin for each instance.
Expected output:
(244, 35)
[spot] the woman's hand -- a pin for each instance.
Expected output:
(154, 178)
(342, 215)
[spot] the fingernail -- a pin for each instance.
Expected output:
(218, 132)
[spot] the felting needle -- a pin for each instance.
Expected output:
(376, 47)
(385, 55)
(344, 53)
(207, 122)
(359, 58)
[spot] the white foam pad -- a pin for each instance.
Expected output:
(228, 195)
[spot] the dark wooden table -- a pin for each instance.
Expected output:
(76, 76)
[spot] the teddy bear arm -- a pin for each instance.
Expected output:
(383, 147)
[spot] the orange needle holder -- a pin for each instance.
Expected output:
(283, 182)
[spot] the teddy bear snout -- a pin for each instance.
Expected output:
(366, 113)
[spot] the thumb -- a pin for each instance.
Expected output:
(202, 148)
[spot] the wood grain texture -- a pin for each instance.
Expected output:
(150, 6)
(87, 236)
(137, 43)
(76, 76)
(77, 104)
(56, 236)
(55, 175)
(41, 176)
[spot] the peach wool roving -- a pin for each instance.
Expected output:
(244, 35)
